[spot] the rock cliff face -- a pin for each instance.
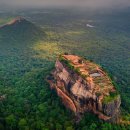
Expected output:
(85, 87)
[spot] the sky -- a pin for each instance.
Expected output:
(68, 3)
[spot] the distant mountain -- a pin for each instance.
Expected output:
(20, 29)
(16, 21)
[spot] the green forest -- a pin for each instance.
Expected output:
(28, 54)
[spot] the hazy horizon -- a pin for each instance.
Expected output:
(82, 4)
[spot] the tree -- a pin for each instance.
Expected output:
(93, 126)
(11, 121)
(22, 124)
(58, 126)
(1, 127)
(69, 128)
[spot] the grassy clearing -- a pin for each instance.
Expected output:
(47, 50)
(75, 32)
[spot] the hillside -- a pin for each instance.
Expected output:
(20, 30)
(19, 34)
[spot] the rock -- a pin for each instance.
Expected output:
(85, 87)
(109, 109)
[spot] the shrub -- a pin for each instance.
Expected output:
(111, 97)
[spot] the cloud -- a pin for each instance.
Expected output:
(68, 3)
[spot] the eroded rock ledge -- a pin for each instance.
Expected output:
(84, 86)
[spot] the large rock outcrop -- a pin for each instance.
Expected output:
(84, 86)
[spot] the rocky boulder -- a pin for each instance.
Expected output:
(85, 87)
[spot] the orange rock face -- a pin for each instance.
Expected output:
(84, 86)
(66, 100)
